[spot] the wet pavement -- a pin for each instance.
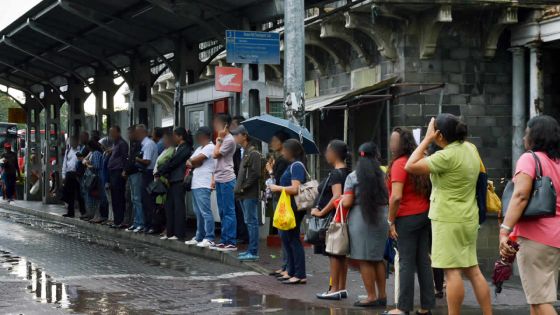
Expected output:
(55, 268)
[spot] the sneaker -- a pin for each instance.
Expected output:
(193, 241)
(228, 248)
(139, 230)
(248, 257)
(218, 246)
(163, 237)
(173, 238)
(242, 254)
(205, 243)
(131, 228)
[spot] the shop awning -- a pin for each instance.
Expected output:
(320, 102)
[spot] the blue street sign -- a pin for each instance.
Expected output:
(253, 47)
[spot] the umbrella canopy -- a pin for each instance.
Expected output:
(263, 127)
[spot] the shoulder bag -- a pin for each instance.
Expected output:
(307, 192)
(317, 227)
(337, 240)
(543, 196)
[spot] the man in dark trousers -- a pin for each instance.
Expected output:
(242, 234)
(117, 184)
(11, 172)
(71, 179)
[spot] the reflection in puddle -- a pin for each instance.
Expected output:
(43, 288)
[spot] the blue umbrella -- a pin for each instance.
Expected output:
(263, 127)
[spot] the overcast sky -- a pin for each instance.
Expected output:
(12, 9)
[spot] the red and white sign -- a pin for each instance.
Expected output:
(229, 79)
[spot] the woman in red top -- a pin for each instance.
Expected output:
(409, 223)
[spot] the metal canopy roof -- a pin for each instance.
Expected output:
(59, 39)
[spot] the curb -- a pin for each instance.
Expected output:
(214, 255)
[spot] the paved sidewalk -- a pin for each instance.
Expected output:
(317, 265)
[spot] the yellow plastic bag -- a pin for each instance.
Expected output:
(284, 218)
(493, 202)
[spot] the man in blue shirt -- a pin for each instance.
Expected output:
(157, 136)
(147, 163)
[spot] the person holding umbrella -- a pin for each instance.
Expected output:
(539, 239)
(293, 177)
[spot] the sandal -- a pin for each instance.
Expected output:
(283, 278)
(426, 313)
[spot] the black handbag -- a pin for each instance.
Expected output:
(543, 196)
(156, 188)
(317, 227)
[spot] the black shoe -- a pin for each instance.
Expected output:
(68, 215)
(439, 295)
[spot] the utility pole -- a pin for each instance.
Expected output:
(294, 60)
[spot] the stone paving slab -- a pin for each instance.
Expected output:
(317, 266)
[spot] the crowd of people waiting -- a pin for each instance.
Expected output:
(425, 201)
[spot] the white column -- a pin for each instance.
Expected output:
(518, 103)
(536, 89)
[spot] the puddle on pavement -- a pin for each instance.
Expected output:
(232, 299)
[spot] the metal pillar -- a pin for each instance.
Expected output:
(518, 103)
(253, 97)
(186, 70)
(52, 146)
(104, 91)
(32, 139)
(536, 87)
(140, 102)
(294, 59)
(75, 97)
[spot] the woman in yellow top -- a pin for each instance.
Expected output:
(453, 210)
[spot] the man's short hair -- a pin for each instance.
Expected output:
(158, 131)
(238, 118)
(117, 128)
(141, 127)
(224, 118)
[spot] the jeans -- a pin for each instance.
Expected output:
(175, 211)
(203, 211)
(226, 209)
(295, 255)
(414, 257)
(136, 196)
(117, 185)
(251, 219)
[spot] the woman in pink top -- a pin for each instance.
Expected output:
(539, 240)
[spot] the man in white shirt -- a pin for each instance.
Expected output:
(202, 164)
(70, 178)
(147, 163)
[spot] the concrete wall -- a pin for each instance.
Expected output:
(477, 88)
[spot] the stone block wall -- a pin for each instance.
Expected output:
(476, 88)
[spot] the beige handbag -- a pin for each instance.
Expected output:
(307, 193)
(337, 240)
